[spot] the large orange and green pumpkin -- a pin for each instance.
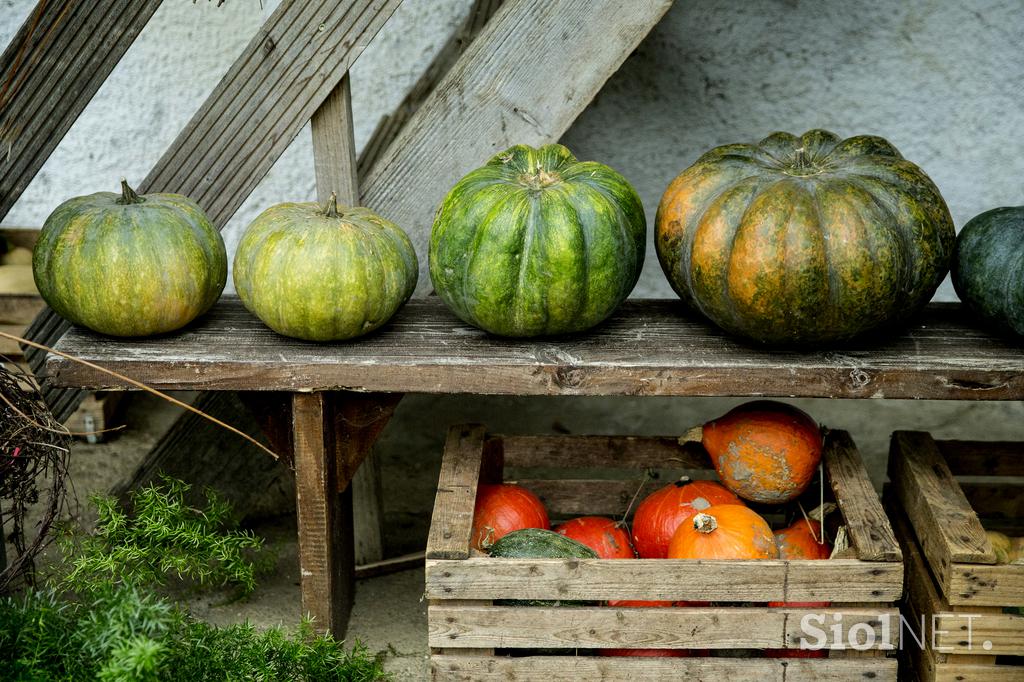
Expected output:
(129, 264)
(804, 240)
(537, 243)
(324, 273)
(988, 271)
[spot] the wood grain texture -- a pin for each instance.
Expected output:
(950, 530)
(630, 669)
(452, 522)
(620, 452)
(501, 92)
(836, 580)
(865, 520)
(50, 72)
(653, 628)
(983, 458)
(648, 347)
(391, 125)
(326, 550)
(282, 77)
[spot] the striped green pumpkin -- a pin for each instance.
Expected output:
(128, 264)
(988, 271)
(536, 243)
(324, 274)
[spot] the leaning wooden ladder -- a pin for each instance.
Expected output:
(295, 69)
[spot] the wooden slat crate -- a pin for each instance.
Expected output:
(941, 509)
(473, 638)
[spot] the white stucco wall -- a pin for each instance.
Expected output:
(942, 80)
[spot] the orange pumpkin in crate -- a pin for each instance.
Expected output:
(764, 451)
(502, 508)
(607, 537)
(664, 510)
(802, 540)
(725, 531)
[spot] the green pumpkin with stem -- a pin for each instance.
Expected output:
(129, 264)
(537, 243)
(324, 273)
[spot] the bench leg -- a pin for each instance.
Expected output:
(326, 551)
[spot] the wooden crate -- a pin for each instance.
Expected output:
(473, 638)
(19, 300)
(942, 492)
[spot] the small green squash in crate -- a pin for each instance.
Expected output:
(988, 271)
(537, 243)
(324, 273)
(536, 543)
(129, 264)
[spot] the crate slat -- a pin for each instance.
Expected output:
(621, 452)
(452, 522)
(836, 580)
(649, 628)
(950, 529)
(578, 497)
(988, 458)
(865, 520)
(549, 668)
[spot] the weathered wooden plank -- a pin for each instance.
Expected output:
(836, 580)
(866, 522)
(391, 125)
(577, 497)
(983, 585)
(622, 452)
(944, 521)
(326, 550)
(494, 97)
(630, 669)
(50, 72)
(282, 77)
(649, 347)
(653, 628)
(452, 522)
(983, 458)
(972, 672)
(997, 501)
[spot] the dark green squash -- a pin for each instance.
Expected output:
(324, 274)
(128, 264)
(804, 240)
(535, 543)
(988, 271)
(536, 243)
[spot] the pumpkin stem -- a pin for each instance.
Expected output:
(128, 195)
(802, 162)
(692, 435)
(330, 209)
(705, 523)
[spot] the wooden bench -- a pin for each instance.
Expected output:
(325, 404)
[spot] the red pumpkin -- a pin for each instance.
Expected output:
(801, 541)
(607, 537)
(661, 512)
(503, 508)
(639, 603)
(724, 531)
(764, 451)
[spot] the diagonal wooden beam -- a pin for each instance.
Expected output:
(49, 73)
(391, 125)
(532, 70)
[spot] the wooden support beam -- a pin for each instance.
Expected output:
(50, 72)
(498, 95)
(326, 559)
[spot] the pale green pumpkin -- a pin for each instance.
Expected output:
(128, 264)
(324, 274)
